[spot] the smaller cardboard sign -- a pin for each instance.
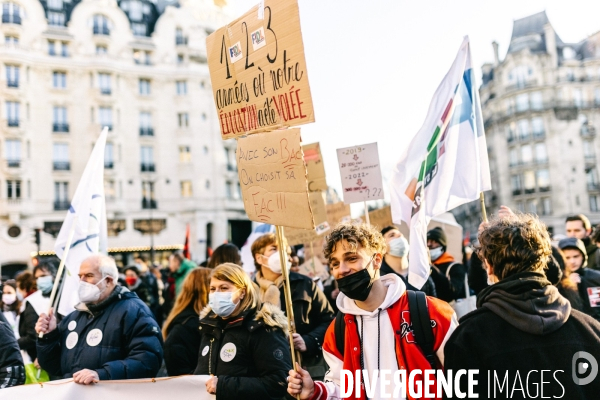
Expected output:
(313, 267)
(338, 213)
(361, 173)
(381, 218)
(272, 177)
(315, 167)
(296, 236)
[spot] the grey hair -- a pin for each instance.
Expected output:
(106, 265)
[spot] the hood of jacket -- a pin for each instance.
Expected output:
(577, 244)
(268, 314)
(185, 266)
(395, 289)
(528, 302)
(444, 258)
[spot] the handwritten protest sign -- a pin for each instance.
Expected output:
(361, 174)
(272, 176)
(258, 71)
(314, 167)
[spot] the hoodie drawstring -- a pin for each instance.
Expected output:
(362, 329)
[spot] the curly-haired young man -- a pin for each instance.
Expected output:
(377, 331)
(524, 337)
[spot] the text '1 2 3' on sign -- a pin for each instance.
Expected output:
(258, 71)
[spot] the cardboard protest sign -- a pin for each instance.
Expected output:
(300, 236)
(381, 218)
(338, 212)
(361, 173)
(258, 71)
(315, 167)
(313, 267)
(272, 176)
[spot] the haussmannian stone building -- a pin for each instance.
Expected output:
(541, 109)
(69, 67)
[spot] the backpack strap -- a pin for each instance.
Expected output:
(340, 332)
(421, 325)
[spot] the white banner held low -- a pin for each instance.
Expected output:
(361, 173)
(189, 387)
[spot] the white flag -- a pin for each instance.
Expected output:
(446, 163)
(90, 234)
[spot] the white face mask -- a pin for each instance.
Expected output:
(8, 299)
(436, 253)
(398, 247)
(274, 263)
(89, 293)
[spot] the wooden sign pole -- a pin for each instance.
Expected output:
(288, 297)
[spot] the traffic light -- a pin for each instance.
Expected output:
(36, 236)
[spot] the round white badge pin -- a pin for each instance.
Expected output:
(228, 352)
(94, 337)
(72, 325)
(72, 340)
(204, 351)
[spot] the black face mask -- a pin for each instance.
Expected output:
(357, 286)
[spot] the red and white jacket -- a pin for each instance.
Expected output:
(389, 327)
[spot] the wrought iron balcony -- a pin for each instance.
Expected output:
(60, 127)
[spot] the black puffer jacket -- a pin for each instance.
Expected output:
(521, 327)
(183, 343)
(12, 371)
(249, 353)
(118, 338)
(312, 315)
(448, 285)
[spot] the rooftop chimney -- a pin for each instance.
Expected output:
(496, 58)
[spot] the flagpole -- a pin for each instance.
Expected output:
(288, 297)
(482, 202)
(367, 214)
(61, 267)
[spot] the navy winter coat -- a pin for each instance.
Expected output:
(118, 338)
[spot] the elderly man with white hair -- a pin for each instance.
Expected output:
(111, 334)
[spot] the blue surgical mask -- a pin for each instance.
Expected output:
(44, 283)
(398, 247)
(221, 303)
(436, 253)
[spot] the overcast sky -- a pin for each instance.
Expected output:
(374, 65)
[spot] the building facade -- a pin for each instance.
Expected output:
(541, 107)
(139, 67)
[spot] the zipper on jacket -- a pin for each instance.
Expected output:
(210, 356)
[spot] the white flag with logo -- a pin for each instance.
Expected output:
(446, 163)
(90, 234)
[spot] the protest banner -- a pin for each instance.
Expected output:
(189, 387)
(360, 172)
(315, 167)
(272, 177)
(258, 71)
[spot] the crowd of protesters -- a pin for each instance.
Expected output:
(537, 299)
